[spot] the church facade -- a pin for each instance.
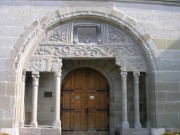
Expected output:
(74, 67)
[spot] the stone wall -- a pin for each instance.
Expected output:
(162, 22)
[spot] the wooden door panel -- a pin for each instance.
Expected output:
(91, 120)
(102, 117)
(78, 110)
(78, 121)
(66, 121)
(85, 101)
(67, 95)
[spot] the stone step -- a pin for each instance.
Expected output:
(142, 131)
(39, 131)
(86, 133)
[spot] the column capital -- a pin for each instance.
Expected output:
(57, 74)
(35, 76)
(124, 74)
(136, 74)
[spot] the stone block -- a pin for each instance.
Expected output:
(171, 107)
(168, 120)
(167, 86)
(21, 12)
(160, 43)
(173, 96)
(118, 14)
(9, 64)
(4, 52)
(7, 21)
(8, 114)
(1, 113)
(64, 11)
(160, 107)
(7, 76)
(10, 89)
(4, 102)
(13, 54)
(161, 96)
(173, 44)
(3, 86)
(12, 31)
(157, 131)
(23, 21)
(29, 131)
(6, 123)
(7, 42)
(105, 10)
(167, 76)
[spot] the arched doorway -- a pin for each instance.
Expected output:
(85, 101)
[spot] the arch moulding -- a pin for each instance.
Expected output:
(30, 38)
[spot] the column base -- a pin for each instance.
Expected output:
(125, 124)
(21, 124)
(34, 124)
(137, 125)
(57, 124)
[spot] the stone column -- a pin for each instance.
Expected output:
(125, 123)
(35, 84)
(22, 110)
(57, 122)
(137, 123)
(58, 70)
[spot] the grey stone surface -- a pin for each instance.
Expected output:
(4, 102)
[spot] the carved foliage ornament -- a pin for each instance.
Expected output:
(113, 35)
(58, 35)
(83, 50)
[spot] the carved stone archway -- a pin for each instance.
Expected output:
(29, 47)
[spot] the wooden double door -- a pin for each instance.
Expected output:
(84, 101)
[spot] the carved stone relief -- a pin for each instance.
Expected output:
(44, 64)
(84, 50)
(46, 57)
(87, 39)
(59, 34)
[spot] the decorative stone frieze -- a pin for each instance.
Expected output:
(46, 56)
(44, 64)
(84, 50)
